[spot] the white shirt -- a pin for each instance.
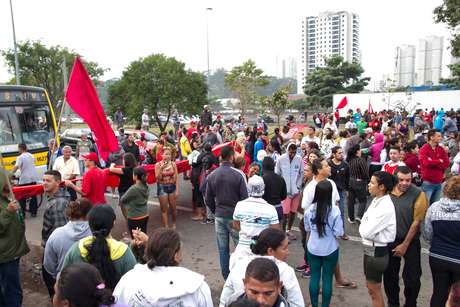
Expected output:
(26, 165)
(234, 283)
(332, 126)
(307, 139)
(67, 168)
(309, 193)
(162, 286)
(350, 125)
(145, 119)
(378, 225)
(254, 215)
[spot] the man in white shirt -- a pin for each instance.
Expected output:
(145, 120)
(251, 216)
(25, 163)
(350, 124)
(311, 136)
(68, 167)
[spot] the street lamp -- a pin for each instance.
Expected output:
(208, 9)
(16, 59)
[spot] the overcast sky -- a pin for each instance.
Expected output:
(114, 33)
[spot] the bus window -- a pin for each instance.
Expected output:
(35, 127)
(9, 130)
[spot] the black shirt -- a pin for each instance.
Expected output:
(134, 149)
(340, 174)
(275, 188)
(126, 180)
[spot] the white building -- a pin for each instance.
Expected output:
(429, 60)
(325, 35)
(405, 65)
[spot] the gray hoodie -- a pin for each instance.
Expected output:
(60, 242)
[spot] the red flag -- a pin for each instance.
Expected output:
(370, 110)
(342, 103)
(82, 98)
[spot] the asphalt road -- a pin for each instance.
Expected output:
(200, 254)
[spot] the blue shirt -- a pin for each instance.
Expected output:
(258, 145)
(327, 244)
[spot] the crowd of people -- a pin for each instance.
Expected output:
(400, 171)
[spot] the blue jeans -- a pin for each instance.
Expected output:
(81, 164)
(225, 230)
(10, 285)
(432, 191)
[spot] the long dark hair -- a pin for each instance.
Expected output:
(82, 285)
(163, 245)
(100, 220)
(351, 154)
(323, 200)
(268, 238)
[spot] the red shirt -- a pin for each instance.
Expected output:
(412, 161)
(93, 186)
(391, 166)
(191, 131)
(432, 169)
(375, 125)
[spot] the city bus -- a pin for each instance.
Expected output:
(26, 116)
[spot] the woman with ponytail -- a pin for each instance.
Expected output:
(273, 244)
(81, 285)
(135, 200)
(161, 282)
(111, 257)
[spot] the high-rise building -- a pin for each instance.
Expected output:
(405, 65)
(289, 68)
(326, 35)
(429, 60)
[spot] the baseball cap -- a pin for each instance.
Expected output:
(256, 186)
(92, 156)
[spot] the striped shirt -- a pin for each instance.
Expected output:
(254, 215)
(358, 169)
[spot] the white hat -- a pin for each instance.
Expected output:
(256, 186)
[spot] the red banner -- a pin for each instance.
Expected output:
(112, 180)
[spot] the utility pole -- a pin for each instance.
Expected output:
(209, 9)
(16, 58)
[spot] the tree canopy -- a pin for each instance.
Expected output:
(243, 81)
(278, 102)
(161, 85)
(42, 66)
(336, 77)
(449, 13)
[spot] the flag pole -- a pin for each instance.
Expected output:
(61, 113)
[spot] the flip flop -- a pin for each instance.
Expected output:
(347, 285)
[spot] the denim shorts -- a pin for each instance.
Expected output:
(165, 189)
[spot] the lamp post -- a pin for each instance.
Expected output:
(208, 9)
(16, 58)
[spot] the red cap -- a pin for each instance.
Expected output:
(92, 156)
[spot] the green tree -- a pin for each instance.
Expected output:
(278, 102)
(161, 85)
(338, 76)
(449, 13)
(243, 81)
(40, 65)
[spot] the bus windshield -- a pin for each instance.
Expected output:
(30, 124)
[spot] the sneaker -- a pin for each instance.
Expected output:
(291, 236)
(210, 221)
(306, 273)
(301, 268)
(357, 219)
(351, 221)
(204, 221)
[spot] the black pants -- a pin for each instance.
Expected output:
(412, 272)
(133, 224)
(49, 281)
(33, 206)
(444, 274)
(358, 190)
